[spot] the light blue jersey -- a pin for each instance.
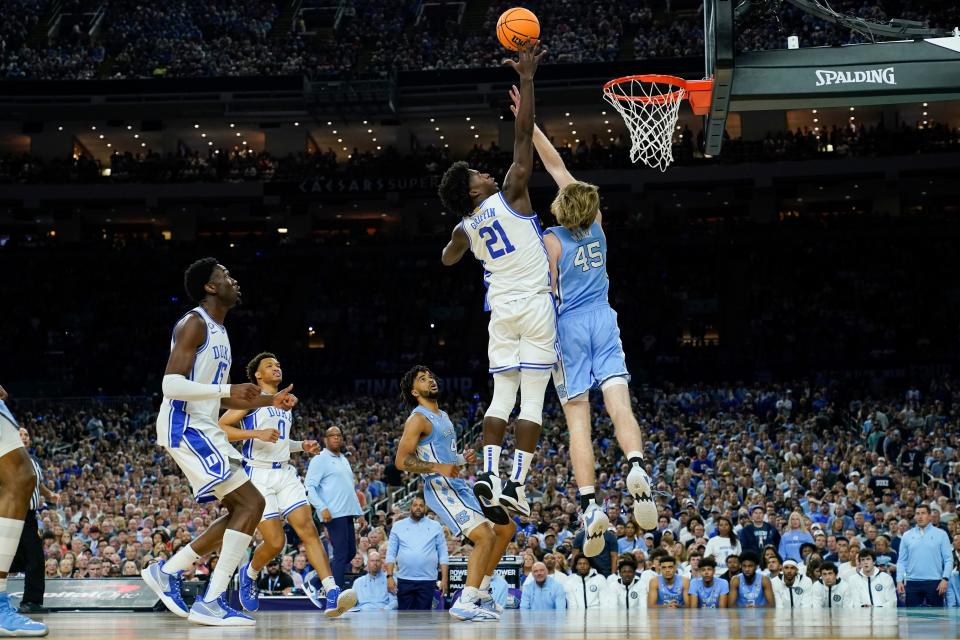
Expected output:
(751, 594)
(450, 498)
(667, 593)
(582, 269)
(588, 338)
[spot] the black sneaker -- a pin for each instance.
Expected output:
(487, 490)
(513, 498)
(32, 608)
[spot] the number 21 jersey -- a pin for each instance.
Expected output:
(510, 247)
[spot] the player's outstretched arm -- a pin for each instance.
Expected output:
(518, 177)
(549, 155)
(458, 245)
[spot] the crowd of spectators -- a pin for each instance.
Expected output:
(221, 38)
(792, 472)
(595, 153)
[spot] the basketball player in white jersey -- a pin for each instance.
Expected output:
(17, 483)
(429, 447)
(196, 384)
(591, 354)
(503, 232)
(266, 449)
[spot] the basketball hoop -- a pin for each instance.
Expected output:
(650, 105)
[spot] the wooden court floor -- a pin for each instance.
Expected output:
(542, 625)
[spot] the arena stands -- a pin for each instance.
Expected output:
(715, 450)
(366, 37)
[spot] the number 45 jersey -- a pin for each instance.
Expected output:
(588, 337)
(522, 328)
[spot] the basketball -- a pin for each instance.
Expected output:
(516, 27)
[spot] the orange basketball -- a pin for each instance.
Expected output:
(516, 27)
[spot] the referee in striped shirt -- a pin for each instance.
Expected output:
(29, 558)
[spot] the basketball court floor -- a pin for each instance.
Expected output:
(541, 625)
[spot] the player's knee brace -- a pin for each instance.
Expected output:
(533, 384)
(505, 387)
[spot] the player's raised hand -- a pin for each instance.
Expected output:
(515, 97)
(447, 469)
(470, 456)
(529, 58)
(3, 393)
(244, 392)
(284, 399)
(311, 446)
(268, 435)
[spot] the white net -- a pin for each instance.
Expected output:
(650, 111)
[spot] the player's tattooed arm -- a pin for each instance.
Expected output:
(413, 464)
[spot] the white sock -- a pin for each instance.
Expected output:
(521, 465)
(251, 572)
(470, 594)
(232, 551)
(485, 583)
(181, 561)
(634, 455)
(10, 531)
(491, 458)
(329, 584)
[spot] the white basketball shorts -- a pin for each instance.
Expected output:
(523, 334)
(205, 456)
(281, 488)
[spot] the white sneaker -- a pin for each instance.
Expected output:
(644, 508)
(513, 498)
(595, 525)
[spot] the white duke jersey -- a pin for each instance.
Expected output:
(268, 418)
(211, 365)
(510, 247)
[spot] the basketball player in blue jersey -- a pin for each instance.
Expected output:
(501, 229)
(591, 354)
(748, 588)
(669, 590)
(17, 483)
(196, 384)
(429, 447)
(708, 591)
(266, 449)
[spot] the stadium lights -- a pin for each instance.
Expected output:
(196, 126)
(210, 143)
(816, 119)
(369, 130)
(814, 111)
(232, 125)
(603, 113)
(334, 132)
(374, 140)
(570, 123)
(441, 137)
(281, 230)
(344, 148)
(364, 122)
(476, 135)
(339, 139)
(574, 132)
(567, 114)
(609, 130)
(378, 147)
(296, 124)
(109, 145)
(101, 136)
(129, 127)
(136, 135)
(436, 128)
(468, 118)
(244, 143)
(239, 134)
(60, 128)
(203, 135)
(924, 113)
(143, 144)
(472, 127)
(852, 108)
(432, 120)
(93, 127)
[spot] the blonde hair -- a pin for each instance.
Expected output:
(576, 205)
